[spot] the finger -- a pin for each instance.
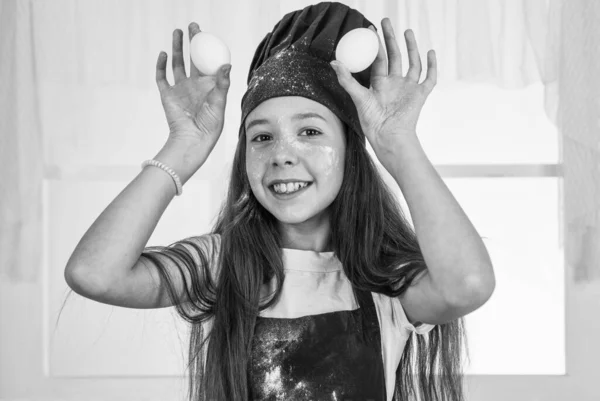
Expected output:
(357, 92)
(217, 98)
(177, 62)
(193, 29)
(414, 60)
(393, 50)
(161, 72)
(431, 79)
(379, 67)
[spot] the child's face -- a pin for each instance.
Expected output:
(302, 149)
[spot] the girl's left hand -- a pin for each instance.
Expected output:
(389, 110)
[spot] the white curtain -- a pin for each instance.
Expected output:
(58, 58)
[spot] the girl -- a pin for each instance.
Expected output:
(312, 282)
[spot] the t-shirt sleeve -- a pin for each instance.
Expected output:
(399, 313)
(419, 327)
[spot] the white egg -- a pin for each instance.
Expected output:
(358, 49)
(208, 53)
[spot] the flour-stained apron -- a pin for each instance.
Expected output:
(330, 356)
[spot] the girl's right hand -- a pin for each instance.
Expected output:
(194, 106)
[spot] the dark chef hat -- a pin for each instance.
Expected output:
(293, 60)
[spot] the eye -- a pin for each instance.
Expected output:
(258, 136)
(317, 132)
(314, 130)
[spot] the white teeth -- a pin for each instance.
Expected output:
(290, 187)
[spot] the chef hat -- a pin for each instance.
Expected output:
(293, 60)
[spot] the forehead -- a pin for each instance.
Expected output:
(283, 108)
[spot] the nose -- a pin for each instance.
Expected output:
(284, 153)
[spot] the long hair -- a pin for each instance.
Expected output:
(370, 235)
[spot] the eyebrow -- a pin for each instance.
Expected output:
(295, 117)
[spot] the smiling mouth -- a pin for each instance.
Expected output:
(272, 188)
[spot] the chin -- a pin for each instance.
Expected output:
(291, 216)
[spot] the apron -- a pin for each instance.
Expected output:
(330, 356)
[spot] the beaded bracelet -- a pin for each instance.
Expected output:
(169, 170)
